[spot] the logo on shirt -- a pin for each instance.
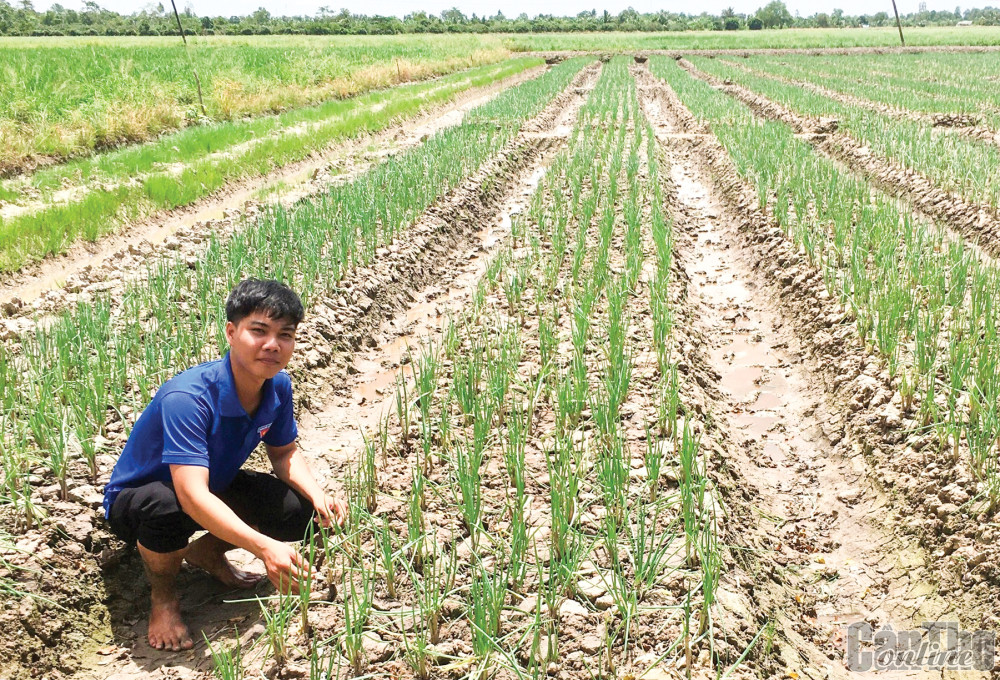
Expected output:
(262, 430)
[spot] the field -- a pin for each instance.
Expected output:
(794, 38)
(111, 92)
(644, 367)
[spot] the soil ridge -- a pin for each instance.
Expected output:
(977, 222)
(908, 466)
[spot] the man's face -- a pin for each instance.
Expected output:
(259, 345)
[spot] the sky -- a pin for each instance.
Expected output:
(512, 8)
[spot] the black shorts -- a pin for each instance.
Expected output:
(152, 515)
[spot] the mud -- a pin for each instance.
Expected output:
(109, 262)
(978, 223)
(847, 507)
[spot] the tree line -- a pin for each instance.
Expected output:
(22, 19)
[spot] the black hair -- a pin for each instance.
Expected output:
(274, 298)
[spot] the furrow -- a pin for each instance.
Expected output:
(960, 123)
(855, 437)
(114, 261)
(978, 223)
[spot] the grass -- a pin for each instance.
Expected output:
(795, 38)
(68, 97)
(208, 162)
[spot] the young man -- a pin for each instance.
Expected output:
(180, 469)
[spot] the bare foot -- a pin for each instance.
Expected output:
(219, 566)
(166, 628)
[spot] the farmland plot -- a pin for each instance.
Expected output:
(633, 368)
(47, 211)
(112, 93)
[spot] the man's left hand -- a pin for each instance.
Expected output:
(331, 510)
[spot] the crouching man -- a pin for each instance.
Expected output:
(181, 471)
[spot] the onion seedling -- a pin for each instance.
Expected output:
(227, 663)
(692, 483)
(468, 462)
(415, 519)
(387, 554)
(277, 623)
(488, 596)
(357, 610)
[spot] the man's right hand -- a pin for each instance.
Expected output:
(285, 567)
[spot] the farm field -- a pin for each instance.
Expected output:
(52, 208)
(793, 39)
(629, 367)
(110, 92)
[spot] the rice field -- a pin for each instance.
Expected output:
(638, 368)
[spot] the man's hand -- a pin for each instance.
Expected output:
(331, 510)
(285, 567)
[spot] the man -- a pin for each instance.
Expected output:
(180, 469)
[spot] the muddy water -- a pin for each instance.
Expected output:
(840, 562)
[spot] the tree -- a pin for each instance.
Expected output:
(774, 15)
(755, 24)
(823, 20)
(453, 16)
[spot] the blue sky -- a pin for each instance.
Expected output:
(511, 8)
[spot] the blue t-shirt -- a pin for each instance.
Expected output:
(196, 419)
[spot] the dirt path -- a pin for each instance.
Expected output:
(87, 268)
(835, 546)
(976, 222)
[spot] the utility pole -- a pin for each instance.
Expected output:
(895, 11)
(197, 80)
